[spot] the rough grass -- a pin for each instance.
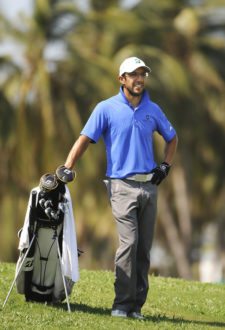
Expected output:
(171, 304)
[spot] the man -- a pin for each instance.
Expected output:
(127, 122)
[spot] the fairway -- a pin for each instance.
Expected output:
(171, 304)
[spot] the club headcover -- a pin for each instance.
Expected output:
(64, 174)
(48, 182)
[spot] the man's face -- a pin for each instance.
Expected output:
(134, 81)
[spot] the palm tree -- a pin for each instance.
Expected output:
(30, 147)
(187, 60)
(55, 96)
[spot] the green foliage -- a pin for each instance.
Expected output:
(45, 102)
(171, 304)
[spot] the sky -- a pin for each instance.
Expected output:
(12, 7)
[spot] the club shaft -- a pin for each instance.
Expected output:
(63, 277)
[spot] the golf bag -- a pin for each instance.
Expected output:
(47, 267)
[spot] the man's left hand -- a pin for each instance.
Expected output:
(159, 173)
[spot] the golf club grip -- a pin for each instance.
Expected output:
(32, 218)
(33, 199)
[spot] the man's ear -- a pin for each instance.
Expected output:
(121, 79)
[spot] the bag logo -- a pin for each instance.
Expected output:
(28, 264)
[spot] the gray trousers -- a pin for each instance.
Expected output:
(134, 207)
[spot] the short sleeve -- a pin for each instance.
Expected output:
(96, 123)
(164, 127)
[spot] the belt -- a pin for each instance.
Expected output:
(140, 177)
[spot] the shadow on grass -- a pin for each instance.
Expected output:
(84, 308)
(148, 318)
(177, 320)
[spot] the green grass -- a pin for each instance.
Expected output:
(171, 304)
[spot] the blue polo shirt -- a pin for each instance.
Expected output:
(128, 133)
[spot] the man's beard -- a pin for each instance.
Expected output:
(133, 93)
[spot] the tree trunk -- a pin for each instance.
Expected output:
(176, 245)
(182, 205)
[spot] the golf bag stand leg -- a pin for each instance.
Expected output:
(18, 272)
(63, 277)
(31, 218)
